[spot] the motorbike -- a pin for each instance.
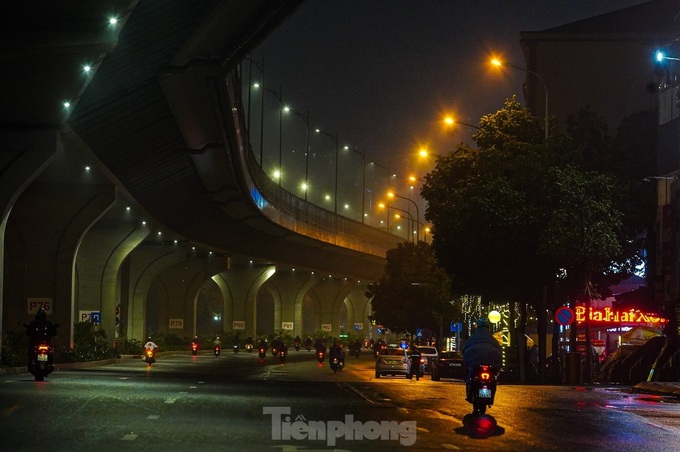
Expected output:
(235, 348)
(282, 356)
(482, 389)
(149, 356)
(297, 346)
(262, 353)
(275, 351)
(320, 355)
(217, 349)
(249, 348)
(356, 351)
(40, 363)
(337, 364)
(194, 348)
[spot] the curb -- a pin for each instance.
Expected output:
(658, 387)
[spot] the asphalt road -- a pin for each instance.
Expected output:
(234, 402)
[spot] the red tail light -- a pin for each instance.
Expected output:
(485, 375)
(43, 348)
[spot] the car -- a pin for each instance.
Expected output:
(428, 356)
(449, 365)
(392, 361)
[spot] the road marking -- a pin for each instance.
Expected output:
(129, 437)
(450, 447)
(193, 387)
(170, 400)
(402, 410)
(153, 416)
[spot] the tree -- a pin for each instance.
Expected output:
(513, 213)
(414, 292)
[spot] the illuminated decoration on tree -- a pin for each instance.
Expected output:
(609, 315)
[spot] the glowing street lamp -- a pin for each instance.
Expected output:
(451, 122)
(498, 63)
(394, 195)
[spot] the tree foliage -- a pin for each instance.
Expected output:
(515, 211)
(414, 292)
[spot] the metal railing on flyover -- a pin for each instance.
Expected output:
(293, 212)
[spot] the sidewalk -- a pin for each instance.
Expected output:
(668, 388)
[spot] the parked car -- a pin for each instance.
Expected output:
(392, 361)
(449, 365)
(428, 356)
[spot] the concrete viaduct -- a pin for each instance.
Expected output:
(128, 186)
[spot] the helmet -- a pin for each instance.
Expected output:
(218, 337)
(149, 338)
(41, 314)
(482, 323)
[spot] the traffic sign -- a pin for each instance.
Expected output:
(564, 315)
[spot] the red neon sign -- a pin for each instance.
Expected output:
(609, 315)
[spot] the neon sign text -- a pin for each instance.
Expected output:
(609, 315)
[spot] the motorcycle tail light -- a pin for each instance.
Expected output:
(43, 348)
(485, 375)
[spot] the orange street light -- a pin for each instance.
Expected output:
(451, 122)
(498, 63)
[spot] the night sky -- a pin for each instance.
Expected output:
(383, 72)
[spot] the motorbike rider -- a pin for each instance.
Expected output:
(262, 344)
(308, 343)
(39, 330)
(195, 342)
(150, 345)
(236, 343)
(217, 342)
(336, 352)
(249, 341)
(297, 341)
(320, 346)
(481, 348)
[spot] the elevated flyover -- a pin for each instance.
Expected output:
(146, 112)
(164, 116)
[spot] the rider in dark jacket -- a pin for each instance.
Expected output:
(40, 329)
(482, 348)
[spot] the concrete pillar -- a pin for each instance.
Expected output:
(103, 250)
(332, 292)
(358, 310)
(242, 282)
(45, 229)
(23, 156)
(181, 283)
(288, 287)
(145, 263)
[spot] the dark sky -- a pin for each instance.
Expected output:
(382, 72)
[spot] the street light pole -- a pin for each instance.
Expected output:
(363, 181)
(305, 118)
(260, 66)
(392, 194)
(413, 221)
(499, 63)
(335, 140)
(279, 96)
